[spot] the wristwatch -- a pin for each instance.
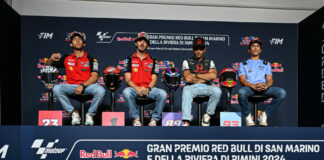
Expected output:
(149, 88)
(82, 85)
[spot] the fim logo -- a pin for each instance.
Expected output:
(43, 151)
(277, 67)
(126, 153)
(246, 40)
(102, 36)
(236, 66)
(3, 151)
(276, 41)
(45, 35)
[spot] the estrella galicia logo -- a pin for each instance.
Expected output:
(47, 149)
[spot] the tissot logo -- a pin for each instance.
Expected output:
(45, 35)
(3, 151)
(48, 149)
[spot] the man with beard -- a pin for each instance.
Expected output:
(256, 78)
(141, 73)
(81, 74)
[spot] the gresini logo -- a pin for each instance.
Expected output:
(102, 36)
(4, 150)
(48, 149)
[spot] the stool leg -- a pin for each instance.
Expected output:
(112, 101)
(82, 107)
(142, 115)
(255, 106)
(199, 114)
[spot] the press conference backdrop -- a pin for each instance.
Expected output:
(111, 41)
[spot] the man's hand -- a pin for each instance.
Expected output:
(140, 91)
(261, 86)
(78, 90)
(146, 92)
(56, 56)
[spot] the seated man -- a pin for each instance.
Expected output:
(141, 73)
(198, 73)
(81, 74)
(256, 77)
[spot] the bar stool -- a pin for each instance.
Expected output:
(82, 98)
(142, 101)
(255, 99)
(199, 100)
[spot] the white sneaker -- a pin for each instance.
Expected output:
(137, 122)
(205, 120)
(152, 123)
(89, 120)
(249, 121)
(263, 119)
(186, 124)
(76, 120)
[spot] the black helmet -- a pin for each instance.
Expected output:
(171, 78)
(49, 76)
(112, 78)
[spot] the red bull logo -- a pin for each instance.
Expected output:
(101, 81)
(96, 154)
(182, 83)
(246, 40)
(121, 64)
(165, 64)
(120, 98)
(126, 153)
(147, 113)
(277, 67)
(268, 101)
(44, 97)
(234, 99)
(41, 63)
(215, 82)
(236, 66)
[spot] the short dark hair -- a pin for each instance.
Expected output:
(256, 40)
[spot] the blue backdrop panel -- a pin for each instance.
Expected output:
(110, 41)
(226, 143)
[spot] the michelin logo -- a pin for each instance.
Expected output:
(48, 149)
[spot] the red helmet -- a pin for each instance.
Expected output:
(113, 78)
(227, 77)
